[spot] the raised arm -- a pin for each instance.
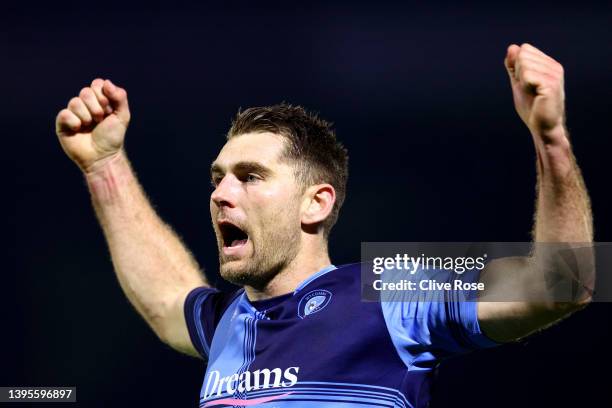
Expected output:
(153, 266)
(563, 213)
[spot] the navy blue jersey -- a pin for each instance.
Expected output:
(322, 346)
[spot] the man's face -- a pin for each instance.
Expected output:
(255, 209)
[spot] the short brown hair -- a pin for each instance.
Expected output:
(312, 144)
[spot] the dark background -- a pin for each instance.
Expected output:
(419, 96)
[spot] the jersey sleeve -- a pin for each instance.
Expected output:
(429, 325)
(203, 310)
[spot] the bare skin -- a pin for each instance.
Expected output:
(153, 266)
(563, 212)
(256, 191)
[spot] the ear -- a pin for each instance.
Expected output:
(317, 204)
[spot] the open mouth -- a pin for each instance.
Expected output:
(232, 235)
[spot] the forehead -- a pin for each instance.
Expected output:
(264, 148)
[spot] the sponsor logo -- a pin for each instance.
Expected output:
(313, 302)
(248, 381)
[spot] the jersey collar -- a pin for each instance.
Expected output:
(311, 278)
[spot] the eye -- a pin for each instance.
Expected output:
(214, 181)
(252, 178)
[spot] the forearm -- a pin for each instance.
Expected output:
(530, 293)
(563, 227)
(151, 263)
(563, 212)
(537, 295)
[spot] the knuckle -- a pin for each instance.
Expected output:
(85, 92)
(526, 63)
(66, 118)
(74, 103)
(523, 59)
(97, 111)
(529, 76)
(63, 115)
(560, 69)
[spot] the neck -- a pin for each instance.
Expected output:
(309, 260)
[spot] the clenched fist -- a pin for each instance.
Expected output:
(537, 88)
(92, 128)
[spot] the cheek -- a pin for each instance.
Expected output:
(213, 209)
(274, 208)
(279, 198)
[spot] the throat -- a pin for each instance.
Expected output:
(286, 279)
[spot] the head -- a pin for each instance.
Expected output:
(280, 181)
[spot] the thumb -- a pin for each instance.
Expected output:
(118, 99)
(510, 61)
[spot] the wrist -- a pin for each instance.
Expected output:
(554, 151)
(106, 177)
(556, 136)
(101, 166)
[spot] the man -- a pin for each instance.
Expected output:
(297, 334)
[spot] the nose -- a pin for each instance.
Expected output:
(225, 194)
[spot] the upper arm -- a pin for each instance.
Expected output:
(519, 300)
(509, 321)
(193, 318)
(173, 330)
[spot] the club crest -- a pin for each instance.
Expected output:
(313, 302)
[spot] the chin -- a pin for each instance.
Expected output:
(236, 272)
(247, 273)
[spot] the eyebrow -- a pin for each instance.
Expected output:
(242, 167)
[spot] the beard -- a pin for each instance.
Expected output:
(274, 248)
